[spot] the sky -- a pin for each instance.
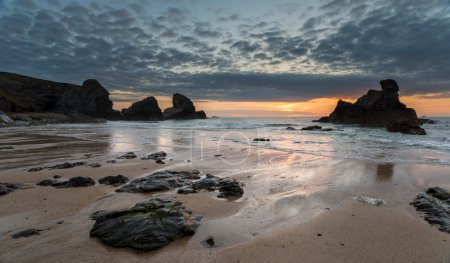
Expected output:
(262, 58)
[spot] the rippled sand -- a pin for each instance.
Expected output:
(290, 198)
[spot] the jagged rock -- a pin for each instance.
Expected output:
(406, 127)
(436, 205)
(36, 169)
(159, 181)
(114, 180)
(25, 94)
(48, 182)
(143, 110)
(378, 108)
(261, 140)
(323, 119)
(187, 182)
(147, 226)
(27, 233)
(426, 121)
(183, 108)
(311, 128)
(78, 181)
(227, 187)
(128, 155)
(156, 156)
(67, 165)
(6, 188)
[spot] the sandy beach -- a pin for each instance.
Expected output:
(295, 208)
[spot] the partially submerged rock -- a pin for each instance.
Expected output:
(78, 181)
(227, 187)
(435, 202)
(147, 226)
(27, 233)
(156, 156)
(66, 165)
(160, 181)
(128, 155)
(114, 180)
(316, 128)
(187, 182)
(406, 127)
(261, 140)
(6, 188)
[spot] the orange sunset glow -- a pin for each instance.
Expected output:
(436, 107)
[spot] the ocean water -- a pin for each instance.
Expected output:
(346, 141)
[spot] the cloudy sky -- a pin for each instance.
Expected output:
(236, 57)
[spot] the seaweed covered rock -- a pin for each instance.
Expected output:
(435, 203)
(227, 187)
(114, 180)
(147, 226)
(160, 181)
(78, 181)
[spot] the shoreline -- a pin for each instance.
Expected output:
(289, 199)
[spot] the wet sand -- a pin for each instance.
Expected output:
(296, 208)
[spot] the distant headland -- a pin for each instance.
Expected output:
(36, 101)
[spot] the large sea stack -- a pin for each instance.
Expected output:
(144, 110)
(183, 108)
(378, 108)
(19, 94)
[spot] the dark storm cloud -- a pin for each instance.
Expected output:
(350, 45)
(395, 40)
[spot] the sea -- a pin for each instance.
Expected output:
(345, 141)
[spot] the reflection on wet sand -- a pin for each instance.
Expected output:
(385, 171)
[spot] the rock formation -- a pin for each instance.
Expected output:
(378, 108)
(146, 226)
(143, 110)
(25, 94)
(31, 101)
(183, 108)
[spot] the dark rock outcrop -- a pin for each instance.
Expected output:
(187, 182)
(378, 108)
(78, 181)
(183, 108)
(114, 180)
(6, 188)
(128, 155)
(144, 110)
(147, 226)
(316, 128)
(58, 166)
(261, 140)
(158, 156)
(26, 94)
(436, 205)
(26, 233)
(406, 127)
(159, 181)
(227, 187)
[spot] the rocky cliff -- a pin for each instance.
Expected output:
(25, 94)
